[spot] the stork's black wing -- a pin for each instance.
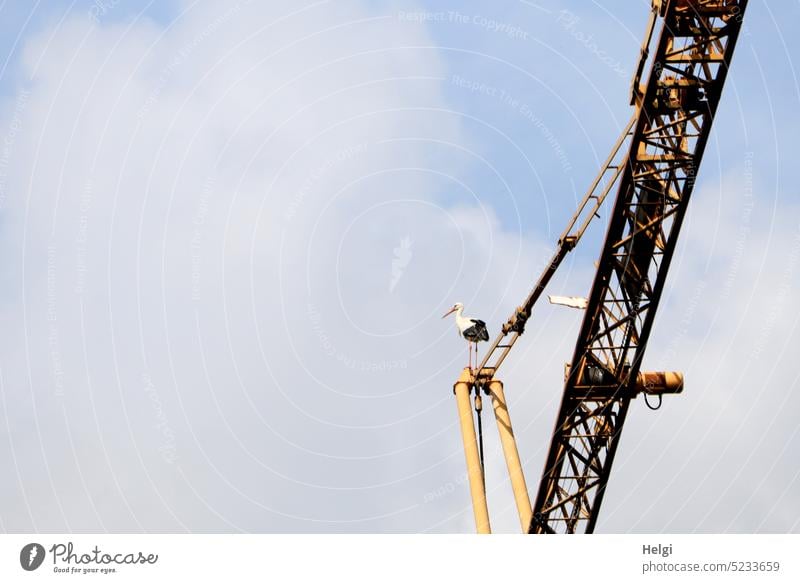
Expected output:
(478, 330)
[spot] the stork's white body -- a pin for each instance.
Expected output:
(471, 329)
(465, 323)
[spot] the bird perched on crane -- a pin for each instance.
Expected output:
(471, 329)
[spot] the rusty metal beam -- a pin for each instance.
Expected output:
(676, 111)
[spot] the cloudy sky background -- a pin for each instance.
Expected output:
(228, 230)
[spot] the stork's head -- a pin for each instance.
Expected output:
(456, 307)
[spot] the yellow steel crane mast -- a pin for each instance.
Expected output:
(653, 164)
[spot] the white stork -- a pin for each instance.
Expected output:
(471, 329)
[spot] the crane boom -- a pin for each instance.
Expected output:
(675, 109)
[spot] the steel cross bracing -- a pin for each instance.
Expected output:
(676, 110)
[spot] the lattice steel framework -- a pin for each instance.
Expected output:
(676, 109)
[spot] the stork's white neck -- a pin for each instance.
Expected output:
(462, 322)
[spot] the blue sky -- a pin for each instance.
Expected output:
(544, 62)
(229, 231)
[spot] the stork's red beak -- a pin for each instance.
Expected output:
(453, 309)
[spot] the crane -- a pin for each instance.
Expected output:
(653, 165)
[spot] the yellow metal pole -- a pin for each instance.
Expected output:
(511, 454)
(474, 470)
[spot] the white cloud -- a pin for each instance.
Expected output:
(216, 205)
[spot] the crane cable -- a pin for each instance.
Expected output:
(651, 407)
(478, 409)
